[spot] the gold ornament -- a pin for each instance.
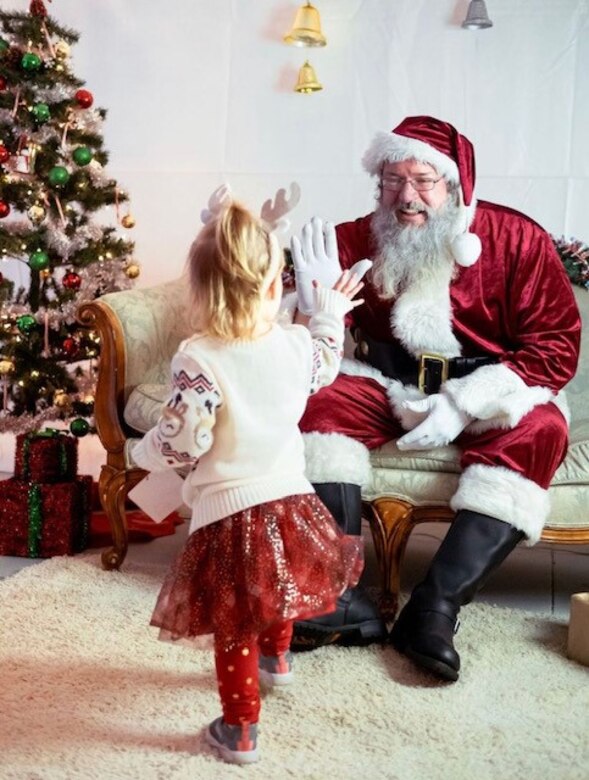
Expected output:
(128, 221)
(6, 366)
(62, 50)
(61, 399)
(45, 273)
(132, 271)
(36, 214)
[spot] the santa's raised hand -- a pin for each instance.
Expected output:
(315, 258)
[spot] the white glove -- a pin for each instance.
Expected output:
(444, 422)
(315, 257)
(220, 198)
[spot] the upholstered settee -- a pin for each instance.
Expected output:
(139, 331)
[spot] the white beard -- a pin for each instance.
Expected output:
(409, 255)
(414, 267)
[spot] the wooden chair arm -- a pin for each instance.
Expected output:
(110, 387)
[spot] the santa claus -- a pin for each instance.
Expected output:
(468, 333)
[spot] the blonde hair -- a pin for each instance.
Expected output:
(228, 264)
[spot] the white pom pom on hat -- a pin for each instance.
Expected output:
(439, 144)
(466, 249)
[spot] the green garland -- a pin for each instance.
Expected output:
(575, 258)
(35, 520)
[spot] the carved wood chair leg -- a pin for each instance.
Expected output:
(114, 487)
(391, 523)
(379, 537)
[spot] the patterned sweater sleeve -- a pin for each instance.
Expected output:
(184, 431)
(327, 332)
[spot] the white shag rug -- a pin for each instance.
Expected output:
(87, 691)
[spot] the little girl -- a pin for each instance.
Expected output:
(262, 548)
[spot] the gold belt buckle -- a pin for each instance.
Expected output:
(422, 378)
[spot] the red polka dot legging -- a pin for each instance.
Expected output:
(237, 671)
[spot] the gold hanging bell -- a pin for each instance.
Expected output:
(306, 30)
(307, 80)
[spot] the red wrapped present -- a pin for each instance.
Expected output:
(40, 520)
(46, 456)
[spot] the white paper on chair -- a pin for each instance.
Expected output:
(158, 494)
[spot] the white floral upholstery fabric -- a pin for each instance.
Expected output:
(156, 321)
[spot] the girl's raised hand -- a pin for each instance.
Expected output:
(347, 284)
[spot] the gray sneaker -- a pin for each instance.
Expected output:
(276, 669)
(236, 744)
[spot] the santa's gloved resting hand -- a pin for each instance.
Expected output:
(315, 258)
(444, 422)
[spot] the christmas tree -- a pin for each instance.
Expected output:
(52, 184)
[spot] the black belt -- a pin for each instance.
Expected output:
(428, 372)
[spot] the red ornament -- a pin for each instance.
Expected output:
(71, 281)
(37, 8)
(84, 98)
(4, 209)
(2, 83)
(70, 347)
(4, 153)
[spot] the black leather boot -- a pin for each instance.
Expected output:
(356, 619)
(474, 546)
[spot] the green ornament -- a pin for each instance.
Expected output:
(30, 61)
(4, 46)
(79, 427)
(39, 260)
(82, 155)
(58, 176)
(41, 112)
(25, 323)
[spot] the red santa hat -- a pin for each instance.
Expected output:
(429, 140)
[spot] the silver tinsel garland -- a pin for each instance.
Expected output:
(65, 245)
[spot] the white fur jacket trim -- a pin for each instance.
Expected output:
(497, 396)
(421, 317)
(396, 392)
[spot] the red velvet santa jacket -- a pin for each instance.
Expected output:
(514, 304)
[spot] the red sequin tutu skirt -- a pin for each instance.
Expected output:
(276, 561)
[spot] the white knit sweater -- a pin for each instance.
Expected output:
(234, 410)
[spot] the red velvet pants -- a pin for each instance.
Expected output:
(237, 671)
(358, 407)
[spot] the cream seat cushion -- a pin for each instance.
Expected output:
(431, 477)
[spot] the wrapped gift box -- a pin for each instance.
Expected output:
(40, 520)
(46, 456)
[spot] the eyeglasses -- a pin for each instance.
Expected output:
(419, 184)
